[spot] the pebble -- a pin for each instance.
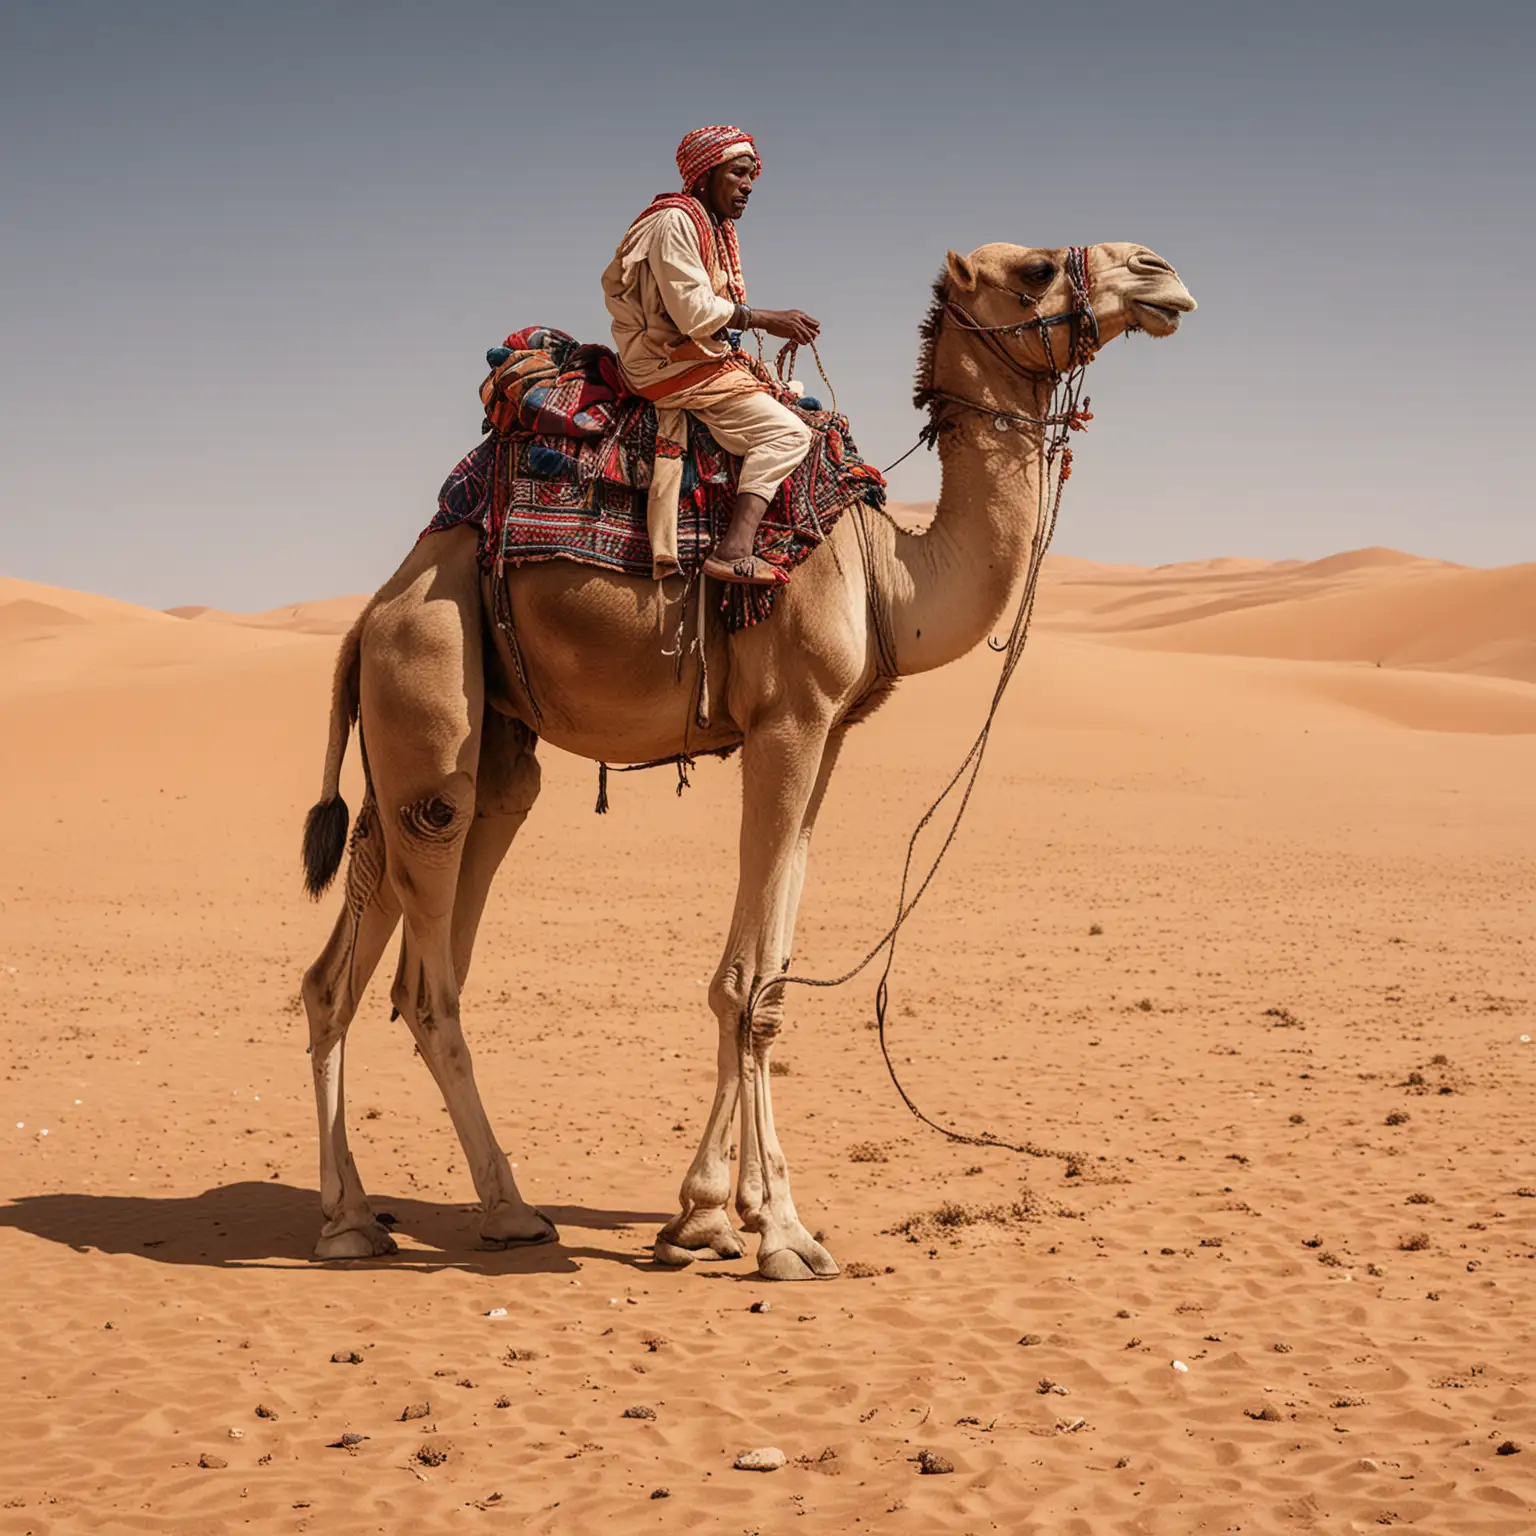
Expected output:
(1268, 1413)
(433, 1453)
(1179, 1365)
(497, 1312)
(1365, 1464)
(640, 1411)
(761, 1306)
(212, 1462)
(931, 1464)
(264, 1412)
(346, 1442)
(768, 1458)
(415, 1411)
(237, 1434)
(661, 1493)
(346, 1357)
(1509, 1448)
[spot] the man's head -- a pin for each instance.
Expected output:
(719, 165)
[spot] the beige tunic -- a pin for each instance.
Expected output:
(666, 305)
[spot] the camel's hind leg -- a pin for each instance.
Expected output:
(332, 987)
(430, 713)
(506, 786)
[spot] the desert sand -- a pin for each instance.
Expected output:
(1240, 917)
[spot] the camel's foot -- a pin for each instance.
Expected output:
(516, 1226)
(704, 1233)
(368, 1240)
(789, 1252)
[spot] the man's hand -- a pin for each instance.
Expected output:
(787, 324)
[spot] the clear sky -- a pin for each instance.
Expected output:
(251, 255)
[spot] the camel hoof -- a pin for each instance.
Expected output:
(809, 1262)
(357, 1243)
(536, 1240)
(705, 1234)
(543, 1233)
(670, 1256)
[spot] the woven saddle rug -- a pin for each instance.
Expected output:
(563, 472)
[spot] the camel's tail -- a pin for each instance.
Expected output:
(325, 828)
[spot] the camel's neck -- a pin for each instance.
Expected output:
(949, 586)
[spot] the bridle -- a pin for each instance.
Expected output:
(1083, 344)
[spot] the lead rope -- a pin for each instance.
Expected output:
(1067, 415)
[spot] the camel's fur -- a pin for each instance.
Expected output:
(449, 734)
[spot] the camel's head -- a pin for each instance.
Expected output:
(999, 287)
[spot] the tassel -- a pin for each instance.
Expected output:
(602, 789)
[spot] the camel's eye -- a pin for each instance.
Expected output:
(1037, 272)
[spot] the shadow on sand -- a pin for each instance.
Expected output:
(254, 1223)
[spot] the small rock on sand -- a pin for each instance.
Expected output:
(640, 1411)
(1509, 1448)
(416, 1411)
(346, 1357)
(434, 1453)
(1268, 1413)
(264, 1412)
(209, 1460)
(761, 1306)
(660, 1493)
(768, 1458)
(931, 1464)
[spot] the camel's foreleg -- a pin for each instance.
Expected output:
(331, 989)
(785, 769)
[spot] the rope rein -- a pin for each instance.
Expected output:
(1069, 413)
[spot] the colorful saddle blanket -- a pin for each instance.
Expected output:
(563, 473)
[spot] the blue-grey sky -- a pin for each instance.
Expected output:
(251, 256)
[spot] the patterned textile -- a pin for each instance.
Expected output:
(542, 381)
(581, 495)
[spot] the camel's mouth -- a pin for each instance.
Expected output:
(1158, 319)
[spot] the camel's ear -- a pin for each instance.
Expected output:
(961, 273)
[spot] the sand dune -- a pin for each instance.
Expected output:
(328, 616)
(1247, 928)
(1379, 607)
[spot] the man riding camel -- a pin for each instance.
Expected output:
(675, 290)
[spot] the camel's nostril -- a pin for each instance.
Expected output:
(1147, 261)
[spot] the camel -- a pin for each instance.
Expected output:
(450, 711)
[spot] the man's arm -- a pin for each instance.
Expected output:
(690, 299)
(789, 324)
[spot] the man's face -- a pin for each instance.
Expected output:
(729, 186)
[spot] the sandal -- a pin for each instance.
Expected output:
(748, 571)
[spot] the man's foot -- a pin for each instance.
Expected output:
(748, 571)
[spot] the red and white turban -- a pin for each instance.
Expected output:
(705, 148)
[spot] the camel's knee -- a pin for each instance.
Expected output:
(729, 991)
(735, 994)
